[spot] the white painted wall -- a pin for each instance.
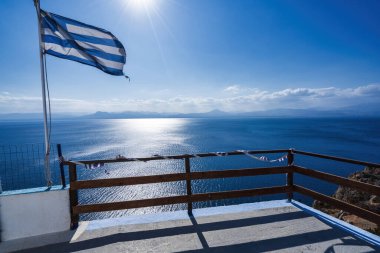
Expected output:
(34, 213)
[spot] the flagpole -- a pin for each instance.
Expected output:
(42, 67)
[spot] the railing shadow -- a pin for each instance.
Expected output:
(279, 243)
(286, 243)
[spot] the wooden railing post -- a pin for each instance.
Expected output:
(73, 196)
(289, 175)
(188, 186)
(61, 167)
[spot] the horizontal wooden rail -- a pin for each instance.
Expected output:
(372, 189)
(109, 182)
(365, 214)
(89, 208)
(97, 183)
(239, 172)
(153, 158)
(339, 159)
(239, 193)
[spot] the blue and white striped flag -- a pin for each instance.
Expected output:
(76, 41)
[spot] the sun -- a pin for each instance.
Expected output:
(141, 4)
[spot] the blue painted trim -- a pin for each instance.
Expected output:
(357, 232)
(32, 190)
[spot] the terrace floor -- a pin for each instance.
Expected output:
(273, 226)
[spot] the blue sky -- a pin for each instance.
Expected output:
(197, 55)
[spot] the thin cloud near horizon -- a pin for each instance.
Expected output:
(236, 99)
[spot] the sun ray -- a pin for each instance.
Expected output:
(158, 42)
(141, 4)
(149, 9)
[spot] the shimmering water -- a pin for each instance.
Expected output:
(92, 139)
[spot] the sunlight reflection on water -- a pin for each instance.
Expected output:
(137, 138)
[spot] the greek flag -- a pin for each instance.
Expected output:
(76, 41)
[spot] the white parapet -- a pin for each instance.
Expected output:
(32, 212)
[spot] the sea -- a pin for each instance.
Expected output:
(21, 154)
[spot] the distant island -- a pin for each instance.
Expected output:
(311, 113)
(363, 110)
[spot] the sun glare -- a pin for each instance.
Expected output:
(141, 4)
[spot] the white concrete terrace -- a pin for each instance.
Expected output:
(272, 226)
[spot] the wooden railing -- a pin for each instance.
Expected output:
(188, 176)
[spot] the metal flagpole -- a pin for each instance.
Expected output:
(46, 129)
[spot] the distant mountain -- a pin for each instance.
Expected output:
(361, 110)
(126, 115)
(364, 109)
(352, 111)
(310, 113)
(132, 115)
(210, 114)
(296, 113)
